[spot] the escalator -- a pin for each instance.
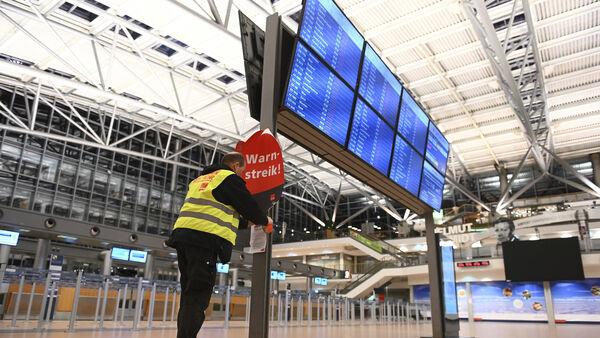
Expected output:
(394, 258)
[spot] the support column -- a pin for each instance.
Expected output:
(261, 267)
(595, 157)
(41, 254)
(4, 254)
(106, 262)
(234, 278)
(309, 285)
(149, 266)
(342, 261)
(433, 262)
(549, 304)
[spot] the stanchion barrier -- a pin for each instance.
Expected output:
(75, 304)
(126, 301)
(309, 309)
(51, 301)
(417, 313)
(272, 312)
(318, 309)
(104, 300)
(98, 297)
(44, 301)
(165, 305)
(117, 301)
(30, 304)
(173, 302)
(151, 305)
(138, 304)
(18, 302)
(248, 310)
(227, 307)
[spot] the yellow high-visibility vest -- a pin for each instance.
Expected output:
(202, 212)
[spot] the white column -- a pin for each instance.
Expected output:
(41, 254)
(149, 267)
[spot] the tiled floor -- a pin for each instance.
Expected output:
(483, 330)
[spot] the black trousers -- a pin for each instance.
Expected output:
(198, 271)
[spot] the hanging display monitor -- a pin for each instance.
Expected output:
(138, 256)
(331, 34)
(449, 281)
(406, 166)
(222, 268)
(273, 274)
(437, 149)
(9, 237)
(281, 275)
(120, 253)
(371, 139)
(413, 122)
(318, 96)
(379, 86)
(432, 186)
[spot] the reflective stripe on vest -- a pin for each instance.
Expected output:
(202, 212)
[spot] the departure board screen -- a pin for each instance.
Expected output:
(379, 86)
(371, 139)
(331, 34)
(432, 186)
(413, 122)
(319, 96)
(437, 149)
(406, 166)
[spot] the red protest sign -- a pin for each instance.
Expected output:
(264, 167)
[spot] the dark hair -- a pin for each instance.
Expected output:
(510, 222)
(233, 157)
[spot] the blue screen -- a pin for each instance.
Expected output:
(281, 275)
(371, 139)
(379, 87)
(273, 274)
(437, 149)
(9, 237)
(138, 256)
(318, 280)
(120, 253)
(324, 281)
(318, 96)
(222, 268)
(413, 122)
(432, 187)
(450, 299)
(329, 32)
(406, 166)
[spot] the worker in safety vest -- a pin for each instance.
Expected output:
(216, 206)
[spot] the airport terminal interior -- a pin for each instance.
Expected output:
(431, 167)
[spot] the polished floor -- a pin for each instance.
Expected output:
(483, 330)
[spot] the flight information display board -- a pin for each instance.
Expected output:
(406, 166)
(329, 33)
(371, 139)
(379, 86)
(432, 186)
(318, 95)
(413, 122)
(437, 149)
(340, 86)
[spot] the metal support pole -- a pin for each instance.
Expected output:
(433, 261)
(44, 301)
(417, 313)
(309, 309)
(138, 304)
(272, 308)
(74, 306)
(165, 304)
(173, 304)
(125, 299)
(118, 300)
(279, 313)
(96, 312)
(247, 317)
(470, 307)
(104, 301)
(151, 308)
(31, 294)
(227, 309)
(318, 309)
(18, 301)
(51, 301)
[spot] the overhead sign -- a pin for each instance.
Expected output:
(120, 253)
(473, 264)
(138, 256)
(321, 281)
(264, 173)
(9, 237)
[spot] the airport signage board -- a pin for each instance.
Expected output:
(9, 237)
